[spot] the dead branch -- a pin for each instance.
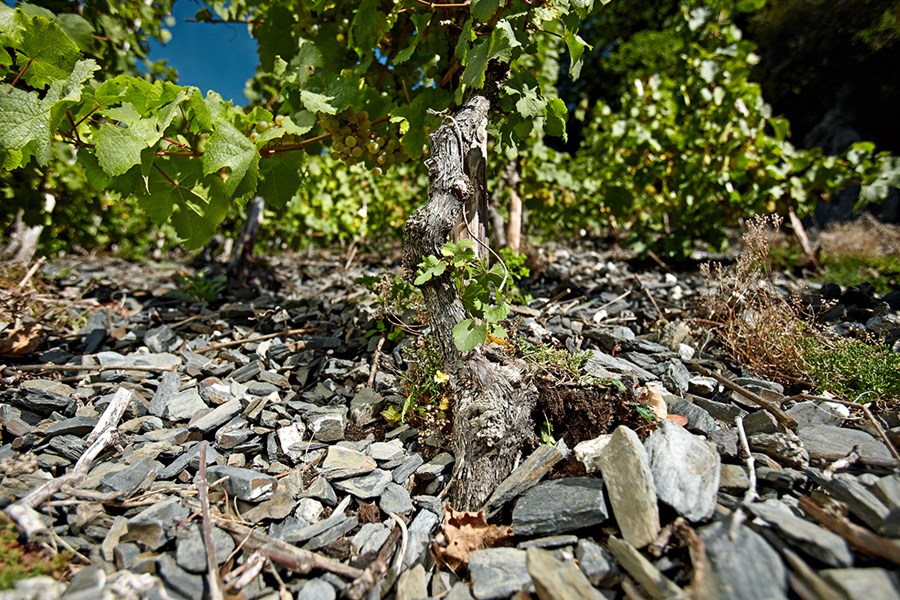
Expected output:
(858, 537)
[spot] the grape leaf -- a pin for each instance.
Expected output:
(274, 36)
(467, 335)
(530, 104)
(308, 60)
(119, 147)
(280, 175)
(484, 9)
(475, 61)
(329, 97)
(495, 314)
(229, 148)
(503, 42)
(421, 22)
(576, 47)
(47, 51)
(24, 127)
(366, 30)
(557, 113)
(78, 29)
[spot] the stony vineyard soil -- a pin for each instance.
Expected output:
(247, 434)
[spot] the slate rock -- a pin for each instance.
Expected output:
(162, 339)
(162, 360)
(317, 589)
(128, 479)
(597, 563)
(554, 579)
(699, 421)
(551, 541)
(435, 466)
(178, 582)
(499, 573)
(869, 583)
(760, 421)
(183, 405)
(420, 531)
(190, 458)
(719, 410)
(747, 567)
(366, 486)
(782, 447)
(861, 502)
(244, 484)
(86, 584)
(216, 417)
(527, 474)
(365, 406)
(341, 463)
(395, 499)
(839, 441)
(813, 540)
(409, 466)
(327, 424)
(156, 524)
(190, 549)
(810, 413)
(642, 570)
(559, 506)
(605, 366)
(733, 478)
(412, 584)
(685, 470)
(73, 426)
(629, 483)
(369, 538)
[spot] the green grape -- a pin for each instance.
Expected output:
(377, 172)
(350, 141)
(279, 119)
(372, 147)
(262, 126)
(357, 152)
(381, 159)
(362, 117)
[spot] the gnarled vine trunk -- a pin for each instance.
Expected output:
(492, 401)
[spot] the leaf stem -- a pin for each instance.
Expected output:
(22, 72)
(164, 174)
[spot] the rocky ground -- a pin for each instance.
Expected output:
(247, 433)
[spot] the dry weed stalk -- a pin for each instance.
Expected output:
(757, 325)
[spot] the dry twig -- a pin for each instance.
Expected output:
(212, 565)
(256, 338)
(776, 411)
(858, 537)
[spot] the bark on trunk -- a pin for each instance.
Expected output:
(242, 252)
(492, 401)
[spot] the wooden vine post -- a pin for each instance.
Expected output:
(492, 399)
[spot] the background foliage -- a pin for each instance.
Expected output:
(665, 143)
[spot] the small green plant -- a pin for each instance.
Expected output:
(394, 298)
(559, 361)
(424, 384)
(199, 287)
(19, 562)
(481, 289)
(883, 272)
(854, 369)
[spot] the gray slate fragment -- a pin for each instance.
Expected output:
(685, 470)
(73, 426)
(402, 473)
(128, 479)
(526, 475)
(412, 584)
(162, 360)
(747, 567)
(310, 531)
(676, 377)
(326, 538)
(734, 478)
(813, 540)
(870, 583)
(605, 366)
(162, 339)
(365, 486)
(499, 573)
(365, 406)
(558, 506)
(327, 424)
(385, 452)
(87, 584)
(320, 489)
(156, 524)
(642, 570)
(629, 484)
(169, 384)
(862, 503)
(178, 582)
(597, 563)
(810, 413)
(183, 405)
(341, 463)
(719, 410)
(760, 421)
(317, 589)
(190, 549)
(435, 466)
(551, 541)
(369, 538)
(395, 499)
(191, 458)
(699, 421)
(216, 417)
(420, 530)
(839, 441)
(554, 579)
(782, 447)
(244, 484)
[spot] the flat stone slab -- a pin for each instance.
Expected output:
(558, 506)
(499, 573)
(629, 482)
(685, 470)
(832, 440)
(747, 567)
(813, 540)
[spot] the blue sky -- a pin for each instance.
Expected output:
(220, 57)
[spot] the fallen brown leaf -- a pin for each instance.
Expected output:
(681, 420)
(21, 340)
(463, 533)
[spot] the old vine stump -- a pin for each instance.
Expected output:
(492, 398)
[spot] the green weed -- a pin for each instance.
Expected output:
(853, 369)
(199, 287)
(19, 562)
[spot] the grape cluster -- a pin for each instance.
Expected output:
(353, 140)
